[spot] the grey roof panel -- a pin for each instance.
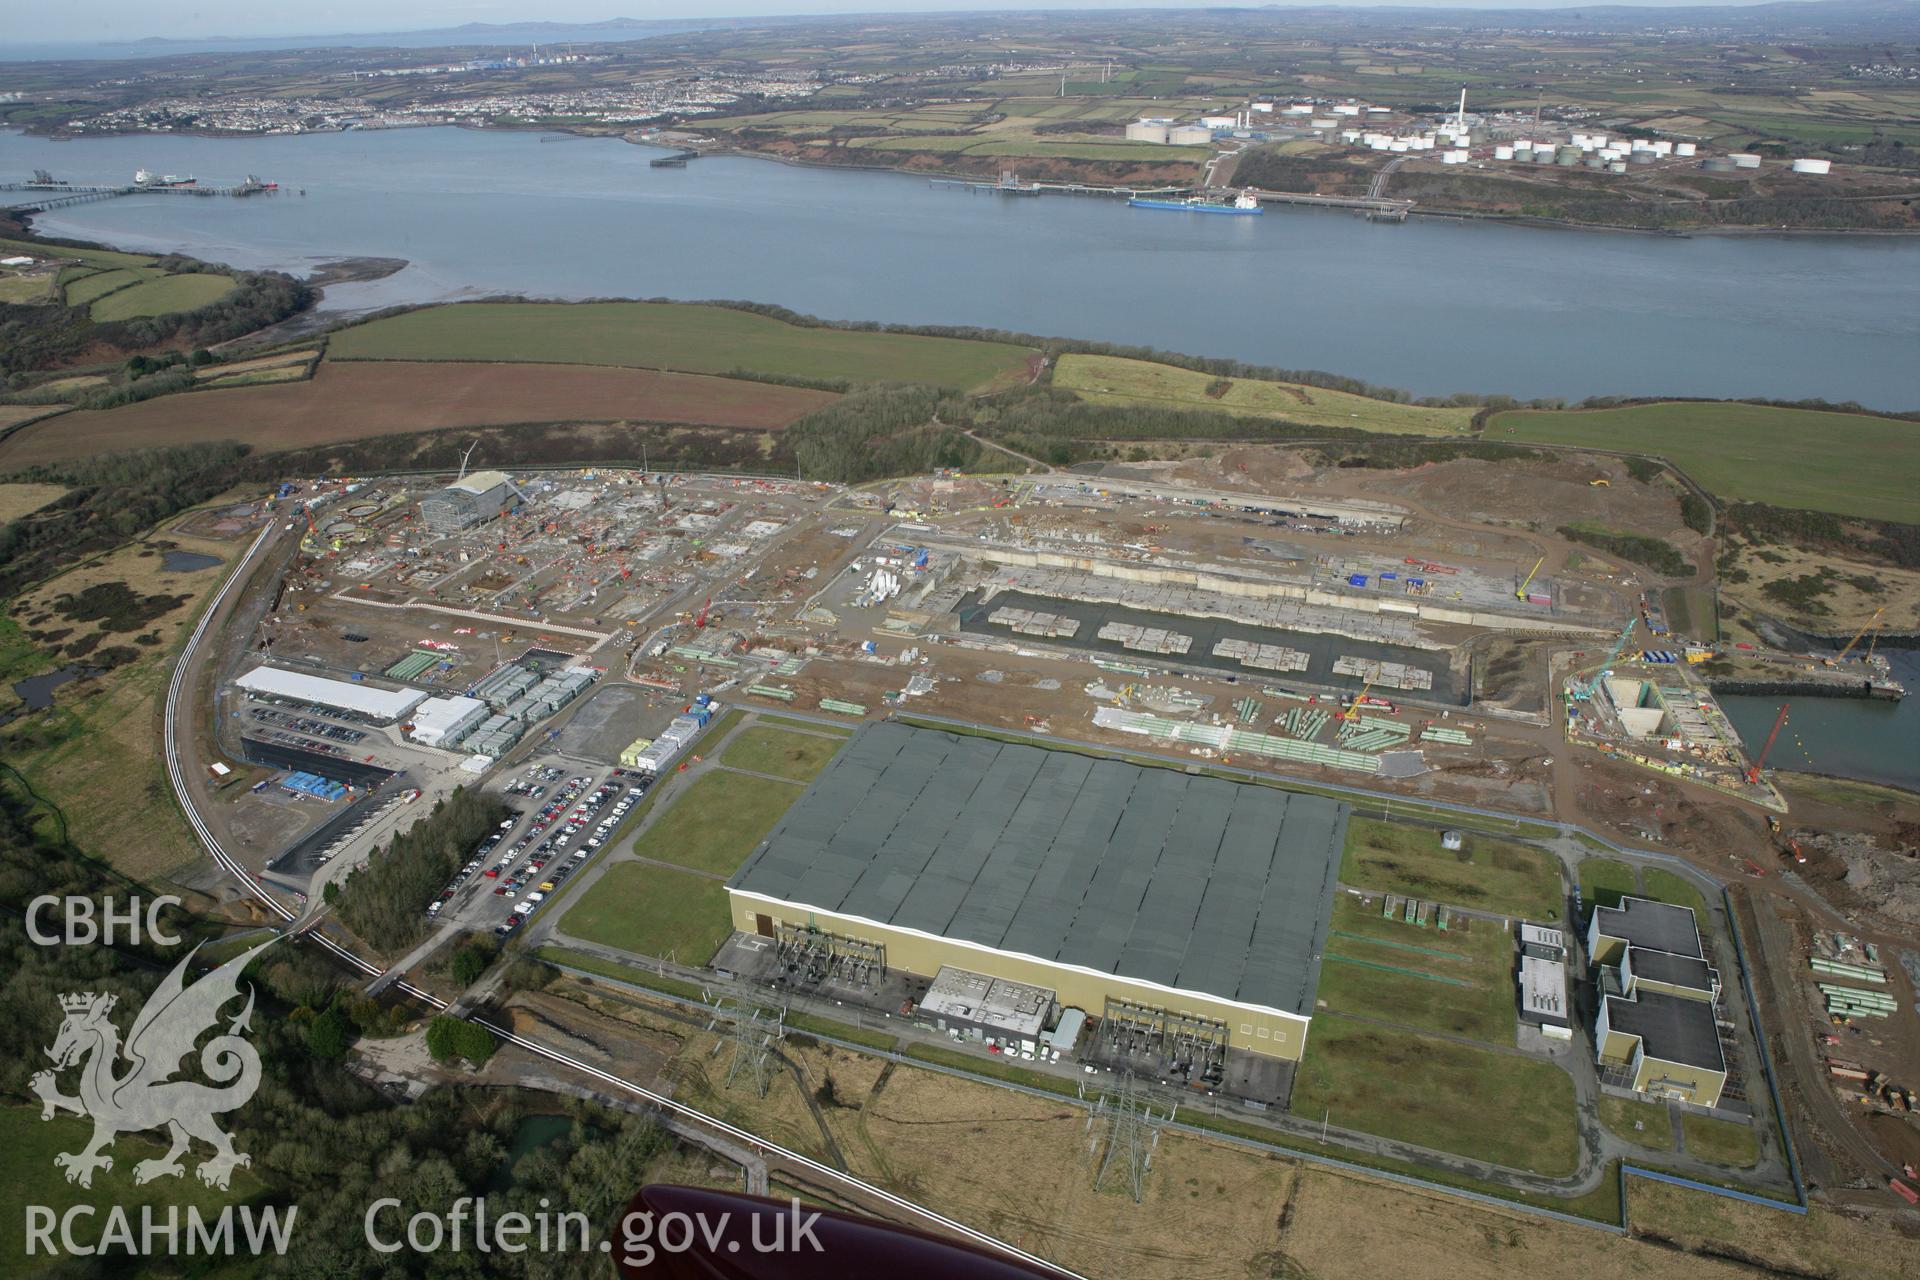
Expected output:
(1193, 883)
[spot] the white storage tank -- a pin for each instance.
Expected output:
(1663, 148)
(1453, 157)
(1503, 153)
(1189, 135)
(1147, 131)
(1683, 148)
(1812, 166)
(1398, 147)
(1744, 160)
(1617, 166)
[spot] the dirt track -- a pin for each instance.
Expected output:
(354, 401)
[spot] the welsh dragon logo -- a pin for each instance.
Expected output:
(146, 1096)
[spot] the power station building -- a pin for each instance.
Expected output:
(1118, 890)
(1656, 1024)
(468, 501)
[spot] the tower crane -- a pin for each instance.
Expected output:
(1520, 592)
(1753, 774)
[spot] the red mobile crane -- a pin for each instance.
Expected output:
(1753, 774)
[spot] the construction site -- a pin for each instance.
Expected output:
(589, 640)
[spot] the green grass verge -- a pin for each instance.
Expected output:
(1487, 875)
(1665, 886)
(653, 911)
(1481, 957)
(1603, 882)
(1656, 1122)
(1721, 1141)
(619, 972)
(984, 1064)
(1502, 1107)
(811, 726)
(667, 335)
(785, 755)
(30, 1177)
(1844, 463)
(715, 823)
(185, 292)
(841, 1031)
(1113, 380)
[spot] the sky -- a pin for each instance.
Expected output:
(120, 20)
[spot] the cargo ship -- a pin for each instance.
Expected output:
(145, 178)
(1243, 204)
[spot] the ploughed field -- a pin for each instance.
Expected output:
(354, 401)
(685, 336)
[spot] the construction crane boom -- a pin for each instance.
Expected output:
(1869, 625)
(1581, 692)
(1520, 593)
(1753, 774)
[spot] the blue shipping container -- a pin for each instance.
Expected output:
(1357, 580)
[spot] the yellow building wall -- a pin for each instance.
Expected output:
(1696, 1084)
(1606, 949)
(1277, 1035)
(1665, 988)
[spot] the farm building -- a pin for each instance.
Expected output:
(469, 501)
(381, 706)
(1101, 885)
(1656, 1018)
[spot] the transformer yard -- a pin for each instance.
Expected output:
(665, 676)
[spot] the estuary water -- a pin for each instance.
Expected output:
(1430, 306)
(1847, 737)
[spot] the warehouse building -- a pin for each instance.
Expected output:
(468, 501)
(1119, 890)
(1542, 981)
(354, 698)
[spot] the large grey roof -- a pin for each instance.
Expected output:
(1671, 1028)
(1195, 883)
(1658, 926)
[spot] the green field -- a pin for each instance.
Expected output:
(1845, 463)
(82, 289)
(1603, 882)
(1468, 990)
(1113, 380)
(1487, 875)
(1655, 1121)
(653, 911)
(1503, 1107)
(163, 296)
(670, 335)
(1721, 1141)
(23, 288)
(99, 257)
(716, 822)
(30, 1177)
(776, 751)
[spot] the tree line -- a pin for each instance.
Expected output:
(319, 1137)
(383, 901)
